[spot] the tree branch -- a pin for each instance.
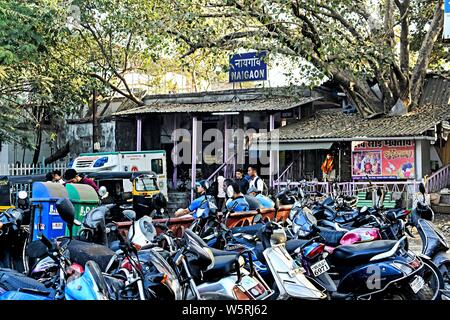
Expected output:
(419, 71)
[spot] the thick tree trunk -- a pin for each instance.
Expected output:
(37, 147)
(365, 101)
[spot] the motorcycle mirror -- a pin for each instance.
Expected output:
(130, 214)
(422, 188)
(22, 195)
(257, 218)
(66, 210)
(103, 192)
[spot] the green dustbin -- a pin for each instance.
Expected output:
(84, 198)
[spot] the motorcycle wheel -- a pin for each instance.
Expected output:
(431, 290)
(434, 282)
(445, 271)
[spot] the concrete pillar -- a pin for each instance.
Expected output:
(175, 170)
(273, 162)
(225, 145)
(139, 133)
(194, 155)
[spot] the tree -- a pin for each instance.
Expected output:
(35, 90)
(377, 51)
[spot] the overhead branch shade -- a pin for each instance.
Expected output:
(286, 146)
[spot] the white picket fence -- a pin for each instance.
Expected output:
(29, 169)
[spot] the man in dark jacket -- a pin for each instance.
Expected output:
(71, 176)
(240, 179)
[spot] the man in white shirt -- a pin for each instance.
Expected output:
(255, 180)
(220, 191)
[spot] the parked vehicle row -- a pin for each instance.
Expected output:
(324, 250)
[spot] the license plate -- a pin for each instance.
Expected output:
(417, 284)
(248, 282)
(320, 267)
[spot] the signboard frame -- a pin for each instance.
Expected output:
(249, 66)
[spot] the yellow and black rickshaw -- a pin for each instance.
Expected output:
(138, 189)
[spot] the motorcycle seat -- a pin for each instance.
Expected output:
(12, 280)
(290, 245)
(250, 230)
(220, 253)
(360, 253)
(223, 266)
(332, 237)
(81, 252)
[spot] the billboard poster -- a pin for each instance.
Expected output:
(382, 160)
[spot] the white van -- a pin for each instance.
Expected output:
(153, 160)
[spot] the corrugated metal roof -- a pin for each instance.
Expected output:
(436, 91)
(337, 125)
(268, 104)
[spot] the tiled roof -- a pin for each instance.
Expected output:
(275, 104)
(333, 124)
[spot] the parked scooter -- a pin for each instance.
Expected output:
(290, 279)
(434, 244)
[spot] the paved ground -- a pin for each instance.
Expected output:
(443, 223)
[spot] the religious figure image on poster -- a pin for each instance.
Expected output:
(383, 159)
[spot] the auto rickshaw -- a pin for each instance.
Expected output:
(9, 193)
(137, 189)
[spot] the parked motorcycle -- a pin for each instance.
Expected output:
(381, 269)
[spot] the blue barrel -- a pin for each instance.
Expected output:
(46, 219)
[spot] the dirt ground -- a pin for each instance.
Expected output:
(443, 223)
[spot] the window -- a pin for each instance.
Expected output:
(146, 184)
(157, 166)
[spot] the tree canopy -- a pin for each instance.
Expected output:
(54, 53)
(377, 51)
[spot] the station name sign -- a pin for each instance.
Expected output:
(248, 66)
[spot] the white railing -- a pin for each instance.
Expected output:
(438, 180)
(353, 187)
(29, 169)
(284, 176)
(229, 164)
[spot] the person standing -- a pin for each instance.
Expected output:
(220, 191)
(241, 180)
(328, 171)
(255, 180)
